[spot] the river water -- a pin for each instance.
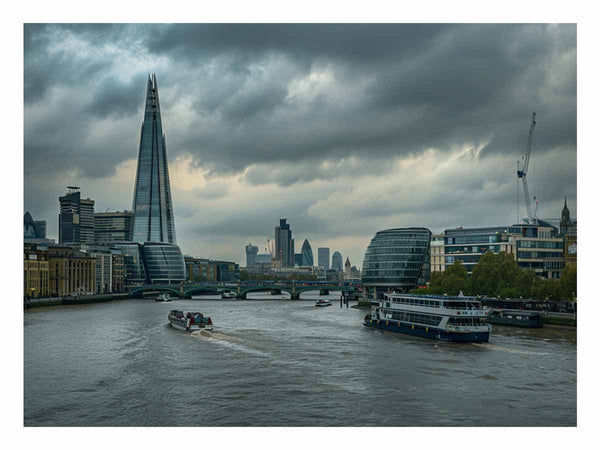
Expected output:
(284, 363)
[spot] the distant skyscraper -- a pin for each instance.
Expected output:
(307, 254)
(323, 257)
(298, 260)
(251, 251)
(336, 261)
(76, 218)
(284, 249)
(34, 229)
(112, 226)
(152, 202)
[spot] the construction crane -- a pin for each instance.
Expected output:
(522, 174)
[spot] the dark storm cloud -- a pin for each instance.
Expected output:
(410, 86)
(294, 103)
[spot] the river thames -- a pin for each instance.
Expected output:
(284, 363)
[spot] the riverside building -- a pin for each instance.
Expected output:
(535, 246)
(396, 259)
(36, 276)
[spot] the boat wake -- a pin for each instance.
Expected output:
(508, 350)
(228, 341)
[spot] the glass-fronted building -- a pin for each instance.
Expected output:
(398, 258)
(152, 202)
(468, 244)
(163, 263)
(337, 261)
(537, 247)
(323, 257)
(133, 265)
(307, 254)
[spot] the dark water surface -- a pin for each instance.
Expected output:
(271, 363)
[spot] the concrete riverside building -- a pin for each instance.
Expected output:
(201, 269)
(71, 272)
(112, 226)
(437, 253)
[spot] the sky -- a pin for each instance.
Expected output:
(344, 130)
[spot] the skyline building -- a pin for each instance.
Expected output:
(152, 202)
(323, 257)
(33, 229)
(251, 252)
(112, 226)
(347, 266)
(298, 259)
(336, 261)
(153, 254)
(284, 247)
(76, 218)
(307, 254)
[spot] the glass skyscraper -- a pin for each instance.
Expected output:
(152, 202)
(307, 254)
(153, 221)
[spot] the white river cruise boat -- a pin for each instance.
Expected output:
(189, 321)
(442, 317)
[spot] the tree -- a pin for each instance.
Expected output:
(494, 273)
(568, 284)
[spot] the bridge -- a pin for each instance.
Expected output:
(186, 290)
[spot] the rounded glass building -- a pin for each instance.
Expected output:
(163, 262)
(397, 258)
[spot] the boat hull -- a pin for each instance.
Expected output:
(194, 327)
(428, 332)
(320, 306)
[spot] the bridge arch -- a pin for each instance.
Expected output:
(139, 291)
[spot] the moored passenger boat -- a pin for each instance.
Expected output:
(189, 321)
(516, 318)
(442, 317)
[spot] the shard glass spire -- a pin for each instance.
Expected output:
(152, 202)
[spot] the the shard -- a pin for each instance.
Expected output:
(152, 201)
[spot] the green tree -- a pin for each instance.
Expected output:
(568, 284)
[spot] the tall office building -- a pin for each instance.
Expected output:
(337, 261)
(251, 252)
(284, 248)
(152, 202)
(153, 222)
(76, 218)
(112, 226)
(307, 254)
(323, 257)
